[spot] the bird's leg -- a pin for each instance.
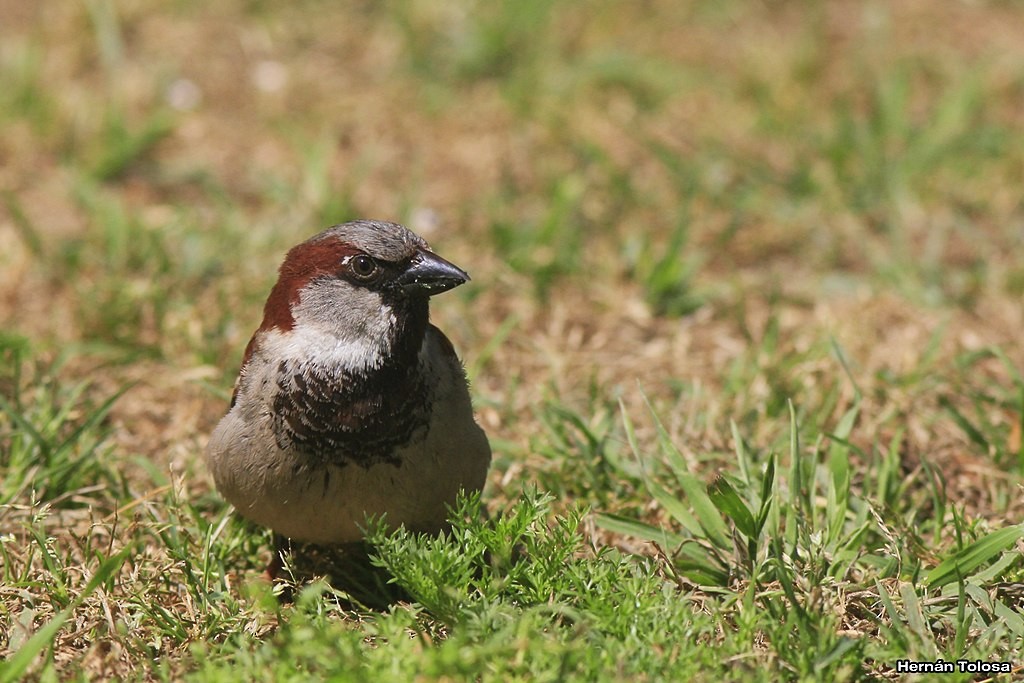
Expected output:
(276, 564)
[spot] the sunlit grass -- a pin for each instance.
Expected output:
(744, 331)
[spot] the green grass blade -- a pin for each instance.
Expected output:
(676, 508)
(972, 432)
(702, 573)
(973, 556)
(839, 468)
(840, 649)
(914, 612)
(767, 497)
(95, 417)
(742, 456)
(631, 527)
(845, 363)
(729, 503)
(16, 666)
(671, 451)
(15, 415)
(705, 511)
(1010, 618)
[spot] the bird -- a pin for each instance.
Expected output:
(350, 404)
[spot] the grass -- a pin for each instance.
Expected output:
(743, 331)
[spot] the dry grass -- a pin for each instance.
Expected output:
(849, 175)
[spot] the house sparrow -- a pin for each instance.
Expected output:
(349, 402)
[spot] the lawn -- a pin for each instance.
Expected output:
(744, 331)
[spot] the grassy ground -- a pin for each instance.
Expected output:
(744, 330)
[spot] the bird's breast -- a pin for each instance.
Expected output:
(341, 417)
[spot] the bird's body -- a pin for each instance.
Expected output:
(349, 403)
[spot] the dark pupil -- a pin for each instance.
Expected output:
(363, 265)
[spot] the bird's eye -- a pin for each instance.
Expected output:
(363, 267)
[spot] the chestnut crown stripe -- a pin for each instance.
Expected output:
(303, 263)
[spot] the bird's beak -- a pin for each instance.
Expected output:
(429, 274)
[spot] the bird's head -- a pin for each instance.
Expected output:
(364, 284)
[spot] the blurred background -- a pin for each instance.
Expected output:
(682, 197)
(686, 198)
(696, 210)
(641, 191)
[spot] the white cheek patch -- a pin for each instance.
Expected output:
(337, 325)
